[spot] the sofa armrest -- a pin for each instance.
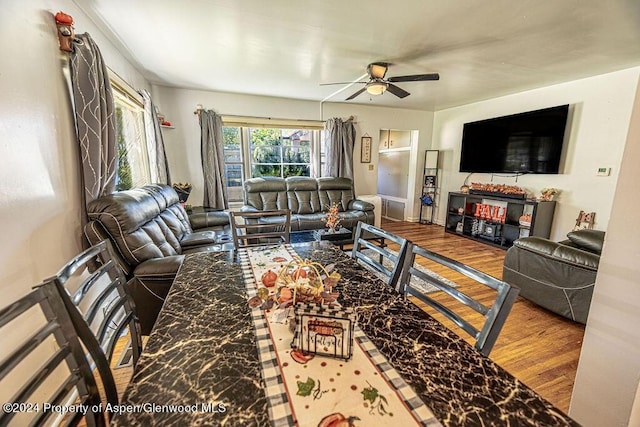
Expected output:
(198, 238)
(361, 205)
(159, 268)
(248, 208)
(559, 252)
(209, 219)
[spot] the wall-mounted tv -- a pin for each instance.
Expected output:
(528, 142)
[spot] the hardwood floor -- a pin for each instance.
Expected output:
(536, 346)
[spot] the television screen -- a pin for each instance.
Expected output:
(528, 142)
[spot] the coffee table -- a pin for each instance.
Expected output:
(341, 237)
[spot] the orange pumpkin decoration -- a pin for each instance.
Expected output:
(269, 279)
(299, 273)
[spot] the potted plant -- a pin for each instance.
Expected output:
(183, 191)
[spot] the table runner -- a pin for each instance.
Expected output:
(365, 390)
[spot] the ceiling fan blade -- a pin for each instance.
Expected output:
(356, 94)
(399, 92)
(415, 78)
(377, 70)
(341, 83)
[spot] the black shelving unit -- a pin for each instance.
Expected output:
(429, 193)
(462, 218)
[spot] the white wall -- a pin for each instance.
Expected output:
(609, 368)
(39, 176)
(601, 108)
(183, 142)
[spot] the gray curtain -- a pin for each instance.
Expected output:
(155, 141)
(339, 141)
(215, 185)
(95, 119)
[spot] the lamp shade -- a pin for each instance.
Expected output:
(377, 88)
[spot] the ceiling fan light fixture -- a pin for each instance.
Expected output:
(377, 88)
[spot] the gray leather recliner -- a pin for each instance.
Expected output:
(150, 232)
(559, 276)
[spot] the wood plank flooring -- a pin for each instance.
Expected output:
(536, 346)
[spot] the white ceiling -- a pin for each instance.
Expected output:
(287, 48)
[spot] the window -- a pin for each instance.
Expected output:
(133, 156)
(233, 166)
(280, 152)
(251, 151)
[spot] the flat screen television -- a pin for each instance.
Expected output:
(528, 142)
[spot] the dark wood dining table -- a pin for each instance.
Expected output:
(201, 365)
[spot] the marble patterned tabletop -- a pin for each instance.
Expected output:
(201, 365)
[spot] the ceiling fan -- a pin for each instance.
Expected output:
(377, 84)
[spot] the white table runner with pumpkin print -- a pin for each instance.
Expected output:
(313, 390)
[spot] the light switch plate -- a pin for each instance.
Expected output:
(370, 167)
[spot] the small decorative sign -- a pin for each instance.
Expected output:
(429, 180)
(365, 149)
(324, 330)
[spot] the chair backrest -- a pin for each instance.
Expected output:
(493, 316)
(94, 291)
(65, 376)
(378, 256)
(260, 228)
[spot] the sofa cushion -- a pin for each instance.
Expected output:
(302, 195)
(590, 240)
(337, 191)
(266, 193)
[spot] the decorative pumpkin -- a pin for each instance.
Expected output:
(269, 279)
(299, 273)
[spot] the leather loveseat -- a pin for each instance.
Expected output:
(308, 199)
(559, 276)
(150, 231)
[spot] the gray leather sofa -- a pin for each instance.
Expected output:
(308, 199)
(150, 231)
(559, 276)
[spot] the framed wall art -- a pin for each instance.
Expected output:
(365, 149)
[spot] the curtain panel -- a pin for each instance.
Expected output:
(95, 119)
(155, 141)
(215, 184)
(340, 138)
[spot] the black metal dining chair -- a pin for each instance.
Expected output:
(493, 316)
(33, 368)
(258, 228)
(380, 259)
(93, 289)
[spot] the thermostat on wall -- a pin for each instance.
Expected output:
(603, 172)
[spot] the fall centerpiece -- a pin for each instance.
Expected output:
(300, 280)
(332, 220)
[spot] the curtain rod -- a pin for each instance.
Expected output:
(232, 116)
